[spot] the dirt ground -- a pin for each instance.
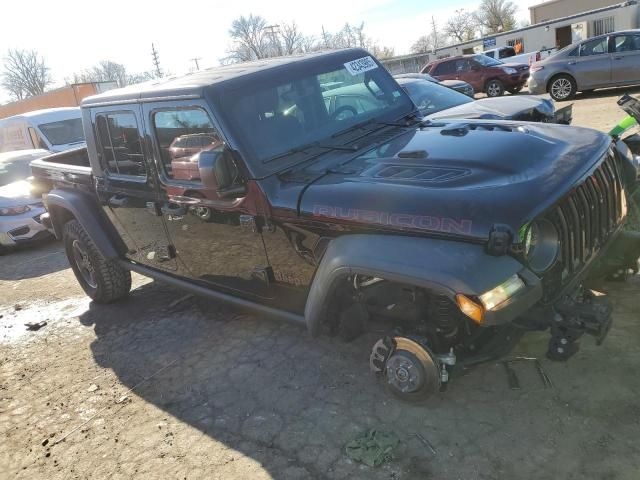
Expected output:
(167, 386)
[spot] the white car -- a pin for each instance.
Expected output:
(20, 210)
(52, 129)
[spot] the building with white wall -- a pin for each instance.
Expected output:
(557, 32)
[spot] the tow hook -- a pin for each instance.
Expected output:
(411, 371)
(588, 312)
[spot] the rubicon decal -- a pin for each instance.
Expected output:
(403, 220)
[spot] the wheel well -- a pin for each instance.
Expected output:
(357, 300)
(59, 217)
(561, 74)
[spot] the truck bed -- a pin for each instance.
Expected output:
(69, 168)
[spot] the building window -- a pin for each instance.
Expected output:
(517, 44)
(603, 26)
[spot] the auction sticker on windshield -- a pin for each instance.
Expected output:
(360, 65)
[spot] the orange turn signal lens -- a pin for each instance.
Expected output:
(470, 308)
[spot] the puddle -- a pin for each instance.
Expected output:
(56, 314)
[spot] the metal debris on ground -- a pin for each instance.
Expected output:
(512, 378)
(34, 327)
(373, 448)
(92, 388)
(426, 442)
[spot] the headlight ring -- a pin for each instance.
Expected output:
(541, 245)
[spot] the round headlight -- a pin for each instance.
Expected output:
(541, 245)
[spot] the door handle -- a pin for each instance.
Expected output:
(572, 62)
(173, 209)
(617, 58)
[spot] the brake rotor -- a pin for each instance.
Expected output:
(411, 371)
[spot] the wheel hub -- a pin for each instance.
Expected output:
(84, 264)
(404, 374)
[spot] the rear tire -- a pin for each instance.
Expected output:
(494, 88)
(562, 87)
(104, 281)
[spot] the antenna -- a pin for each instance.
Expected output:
(156, 60)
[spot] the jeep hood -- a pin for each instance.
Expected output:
(456, 178)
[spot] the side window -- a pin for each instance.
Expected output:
(120, 141)
(626, 43)
(445, 68)
(594, 47)
(182, 134)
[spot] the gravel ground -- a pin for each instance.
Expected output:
(165, 385)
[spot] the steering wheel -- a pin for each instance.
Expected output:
(340, 112)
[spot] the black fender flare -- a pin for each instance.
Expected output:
(63, 204)
(442, 266)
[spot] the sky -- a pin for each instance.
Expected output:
(73, 35)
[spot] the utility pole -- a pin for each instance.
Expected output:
(434, 28)
(156, 60)
(195, 60)
(325, 38)
(272, 32)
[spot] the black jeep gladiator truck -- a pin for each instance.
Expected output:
(246, 184)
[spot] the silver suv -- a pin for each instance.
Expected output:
(611, 60)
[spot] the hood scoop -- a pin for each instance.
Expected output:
(419, 173)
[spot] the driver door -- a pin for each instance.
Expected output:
(216, 239)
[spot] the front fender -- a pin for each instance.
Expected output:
(441, 266)
(64, 205)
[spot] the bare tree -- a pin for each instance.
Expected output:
(292, 39)
(432, 41)
(496, 16)
(461, 27)
(25, 74)
(108, 71)
(249, 37)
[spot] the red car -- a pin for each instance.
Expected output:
(483, 73)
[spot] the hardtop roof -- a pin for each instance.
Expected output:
(193, 84)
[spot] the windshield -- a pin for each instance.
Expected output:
(63, 131)
(430, 97)
(312, 102)
(486, 61)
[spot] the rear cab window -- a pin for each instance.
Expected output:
(120, 144)
(445, 68)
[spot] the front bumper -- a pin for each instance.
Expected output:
(21, 229)
(536, 86)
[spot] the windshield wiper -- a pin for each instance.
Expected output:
(309, 146)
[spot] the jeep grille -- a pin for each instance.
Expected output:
(587, 217)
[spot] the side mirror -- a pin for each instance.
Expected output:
(219, 172)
